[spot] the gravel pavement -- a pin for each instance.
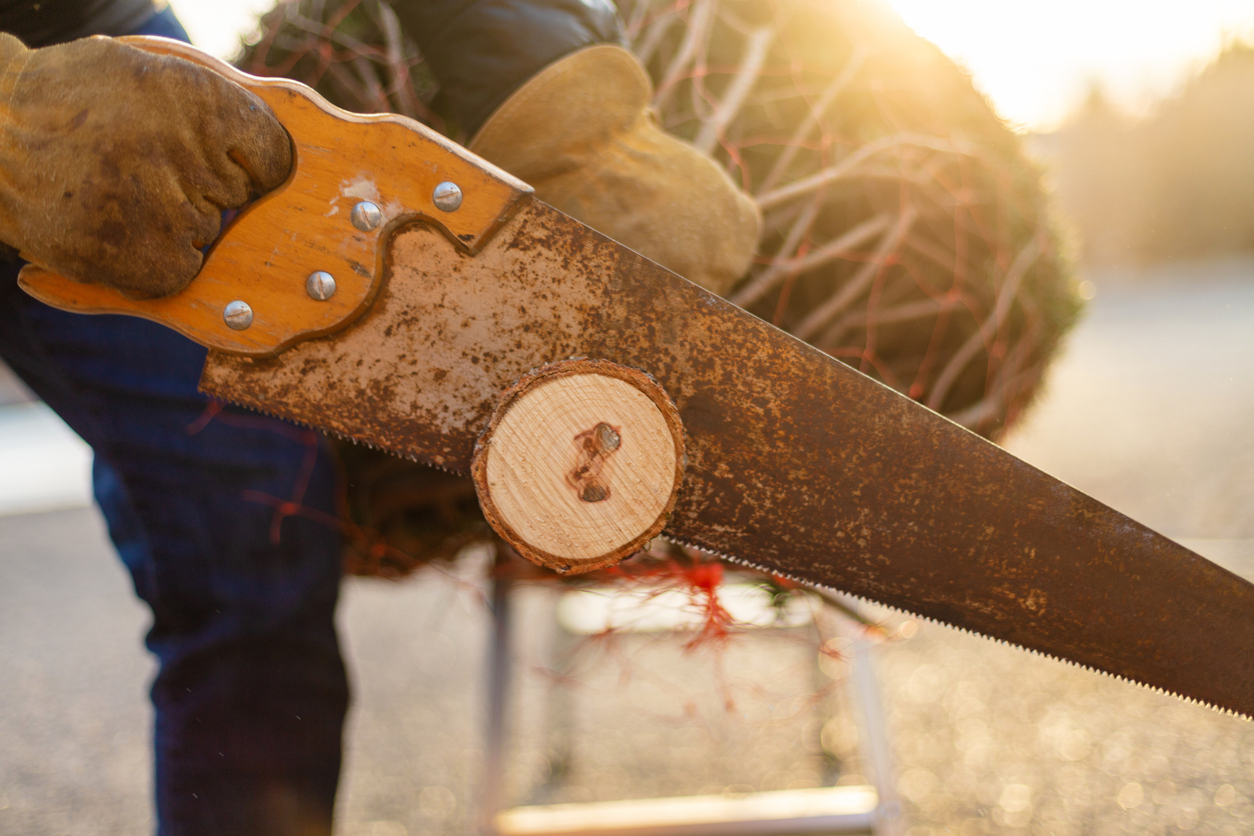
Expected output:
(1149, 411)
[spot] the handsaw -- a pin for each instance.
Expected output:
(402, 293)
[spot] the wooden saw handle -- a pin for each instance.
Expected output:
(266, 257)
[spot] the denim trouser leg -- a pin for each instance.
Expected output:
(251, 691)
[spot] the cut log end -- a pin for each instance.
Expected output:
(581, 464)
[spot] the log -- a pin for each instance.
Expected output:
(581, 464)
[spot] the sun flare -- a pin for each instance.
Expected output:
(1037, 58)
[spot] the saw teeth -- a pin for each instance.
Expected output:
(341, 436)
(680, 541)
(805, 583)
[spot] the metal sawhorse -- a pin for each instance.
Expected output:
(873, 810)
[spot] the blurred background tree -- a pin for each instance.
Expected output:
(1177, 183)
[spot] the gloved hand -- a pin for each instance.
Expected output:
(116, 164)
(580, 132)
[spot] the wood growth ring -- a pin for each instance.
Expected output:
(581, 464)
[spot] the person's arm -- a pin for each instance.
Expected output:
(116, 164)
(549, 93)
(483, 50)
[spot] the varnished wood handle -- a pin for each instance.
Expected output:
(266, 257)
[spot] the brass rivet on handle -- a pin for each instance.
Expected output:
(366, 216)
(320, 285)
(447, 196)
(238, 315)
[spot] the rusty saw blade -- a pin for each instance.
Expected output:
(400, 324)
(797, 465)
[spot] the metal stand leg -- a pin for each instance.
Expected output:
(879, 753)
(499, 664)
(881, 812)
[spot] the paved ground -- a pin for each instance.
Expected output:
(11, 389)
(1149, 411)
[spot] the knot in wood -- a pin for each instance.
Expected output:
(595, 446)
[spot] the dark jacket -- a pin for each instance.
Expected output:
(480, 50)
(483, 50)
(45, 22)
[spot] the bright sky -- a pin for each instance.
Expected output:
(216, 26)
(1034, 58)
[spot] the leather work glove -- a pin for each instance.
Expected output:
(581, 133)
(116, 164)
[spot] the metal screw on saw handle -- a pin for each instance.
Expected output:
(320, 285)
(447, 196)
(238, 315)
(366, 216)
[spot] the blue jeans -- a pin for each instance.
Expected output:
(251, 692)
